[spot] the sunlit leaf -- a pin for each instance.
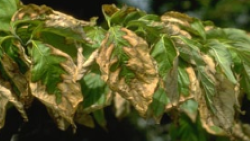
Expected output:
(8, 8)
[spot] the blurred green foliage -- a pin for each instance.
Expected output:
(224, 13)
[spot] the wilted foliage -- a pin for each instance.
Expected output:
(171, 64)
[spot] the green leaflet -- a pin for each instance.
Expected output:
(186, 130)
(183, 80)
(99, 116)
(24, 29)
(8, 8)
(75, 33)
(237, 42)
(199, 28)
(115, 16)
(160, 100)
(116, 38)
(128, 68)
(66, 45)
(46, 66)
(245, 81)
(95, 91)
(96, 34)
(205, 79)
(148, 27)
(221, 54)
(190, 108)
(164, 53)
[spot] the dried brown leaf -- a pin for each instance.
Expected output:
(174, 21)
(220, 122)
(139, 91)
(172, 82)
(52, 17)
(84, 118)
(122, 106)
(20, 81)
(109, 9)
(83, 65)
(241, 132)
(6, 96)
(71, 94)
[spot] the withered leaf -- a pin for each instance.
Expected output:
(7, 96)
(69, 89)
(172, 83)
(20, 81)
(138, 88)
(222, 117)
(83, 118)
(122, 106)
(174, 21)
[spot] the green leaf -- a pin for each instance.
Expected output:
(207, 83)
(160, 100)
(75, 33)
(96, 34)
(190, 107)
(46, 66)
(164, 53)
(99, 116)
(183, 80)
(223, 57)
(186, 130)
(189, 50)
(199, 28)
(209, 87)
(8, 8)
(115, 16)
(95, 91)
(63, 43)
(23, 29)
(116, 38)
(148, 27)
(16, 51)
(128, 68)
(246, 78)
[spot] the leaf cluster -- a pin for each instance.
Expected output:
(175, 64)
